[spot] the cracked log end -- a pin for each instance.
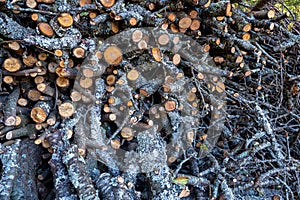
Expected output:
(40, 112)
(12, 64)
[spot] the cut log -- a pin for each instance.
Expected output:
(195, 25)
(193, 14)
(10, 108)
(142, 44)
(20, 132)
(35, 16)
(137, 35)
(246, 36)
(172, 17)
(65, 20)
(191, 97)
(22, 102)
(62, 82)
(86, 82)
(87, 72)
(163, 39)
(45, 1)
(133, 75)
(127, 133)
(39, 79)
(8, 79)
(109, 117)
(75, 96)
(30, 60)
(172, 159)
(111, 100)
(185, 22)
(115, 143)
(46, 89)
(51, 120)
(58, 52)
(15, 46)
(113, 55)
(66, 109)
(46, 29)
(264, 14)
(92, 14)
(170, 105)
(220, 87)
(31, 3)
(111, 79)
(133, 21)
(176, 59)
(156, 54)
(79, 52)
(84, 2)
(40, 111)
(33, 95)
(107, 3)
(12, 64)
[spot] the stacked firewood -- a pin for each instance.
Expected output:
(90, 80)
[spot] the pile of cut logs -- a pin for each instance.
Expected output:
(212, 85)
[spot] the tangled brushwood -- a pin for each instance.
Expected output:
(133, 99)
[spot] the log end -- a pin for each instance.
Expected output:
(10, 121)
(65, 20)
(12, 64)
(38, 114)
(107, 3)
(46, 29)
(113, 55)
(66, 109)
